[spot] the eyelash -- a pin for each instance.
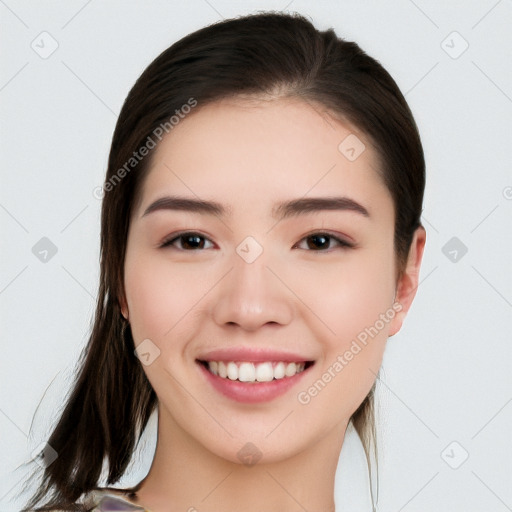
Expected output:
(343, 244)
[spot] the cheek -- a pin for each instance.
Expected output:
(161, 299)
(369, 296)
(355, 303)
(349, 295)
(159, 295)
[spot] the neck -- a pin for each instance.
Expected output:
(185, 476)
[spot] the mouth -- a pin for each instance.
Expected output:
(253, 381)
(254, 372)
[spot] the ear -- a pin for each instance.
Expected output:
(124, 306)
(408, 282)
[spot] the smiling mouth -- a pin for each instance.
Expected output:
(248, 372)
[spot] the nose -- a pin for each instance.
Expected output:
(252, 295)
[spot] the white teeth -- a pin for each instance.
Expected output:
(254, 372)
(279, 370)
(246, 372)
(291, 369)
(221, 368)
(232, 371)
(213, 365)
(264, 372)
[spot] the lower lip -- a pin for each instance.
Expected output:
(251, 392)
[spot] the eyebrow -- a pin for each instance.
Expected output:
(281, 211)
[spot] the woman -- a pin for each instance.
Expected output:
(261, 240)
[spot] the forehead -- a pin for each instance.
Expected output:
(257, 150)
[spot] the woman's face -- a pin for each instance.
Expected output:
(286, 283)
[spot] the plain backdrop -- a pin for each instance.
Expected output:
(445, 389)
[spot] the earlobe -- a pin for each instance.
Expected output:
(124, 307)
(408, 282)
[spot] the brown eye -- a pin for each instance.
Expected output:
(188, 241)
(319, 242)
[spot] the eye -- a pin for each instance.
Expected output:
(192, 241)
(321, 241)
(189, 241)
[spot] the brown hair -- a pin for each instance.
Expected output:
(111, 399)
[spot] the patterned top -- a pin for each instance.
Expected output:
(106, 500)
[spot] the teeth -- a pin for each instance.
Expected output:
(246, 372)
(279, 370)
(264, 372)
(214, 367)
(254, 372)
(291, 369)
(232, 371)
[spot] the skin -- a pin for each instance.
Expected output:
(248, 155)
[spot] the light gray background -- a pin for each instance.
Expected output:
(446, 376)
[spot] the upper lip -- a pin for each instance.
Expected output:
(252, 355)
